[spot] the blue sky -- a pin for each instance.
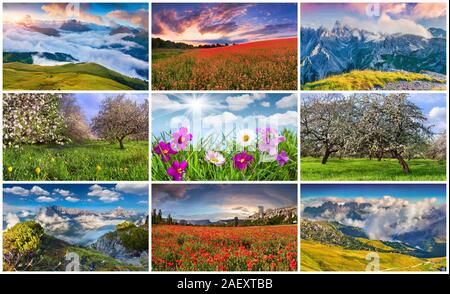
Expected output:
(412, 192)
(202, 23)
(434, 106)
(90, 102)
(215, 202)
(206, 114)
(129, 14)
(388, 18)
(98, 197)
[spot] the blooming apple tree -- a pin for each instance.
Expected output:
(32, 118)
(119, 118)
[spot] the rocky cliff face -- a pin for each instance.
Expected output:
(111, 245)
(327, 52)
(286, 212)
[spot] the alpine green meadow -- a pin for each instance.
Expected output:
(363, 169)
(93, 160)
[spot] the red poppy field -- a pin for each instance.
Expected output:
(263, 65)
(192, 248)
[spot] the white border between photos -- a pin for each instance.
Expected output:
(299, 92)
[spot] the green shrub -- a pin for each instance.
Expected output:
(20, 245)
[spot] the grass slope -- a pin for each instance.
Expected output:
(319, 257)
(363, 169)
(73, 76)
(160, 54)
(365, 80)
(78, 162)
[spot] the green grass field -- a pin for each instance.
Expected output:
(319, 257)
(159, 54)
(73, 76)
(92, 161)
(363, 169)
(201, 170)
(366, 80)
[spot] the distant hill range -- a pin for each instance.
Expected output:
(276, 216)
(74, 26)
(342, 49)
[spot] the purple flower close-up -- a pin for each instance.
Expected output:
(282, 158)
(181, 139)
(164, 150)
(241, 160)
(177, 170)
(269, 140)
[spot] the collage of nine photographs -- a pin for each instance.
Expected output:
(243, 137)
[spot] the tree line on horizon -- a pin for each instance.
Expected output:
(158, 43)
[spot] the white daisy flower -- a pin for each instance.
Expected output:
(246, 137)
(215, 158)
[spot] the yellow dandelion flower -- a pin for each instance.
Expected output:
(38, 170)
(10, 169)
(98, 168)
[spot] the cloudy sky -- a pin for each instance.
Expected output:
(410, 192)
(90, 102)
(98, 197)
(394, 208)
(206, 114)
(434, 106)
(216, 202)
(201, 23)
(107, 14)
(386, 17)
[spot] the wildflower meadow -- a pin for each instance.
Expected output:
(57, 137)
(260, 154)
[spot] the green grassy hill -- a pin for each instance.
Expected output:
(366, 80)
(324, 247)
(73, 76)
(320, 257)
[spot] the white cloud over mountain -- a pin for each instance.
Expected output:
(385, 217)
(103, 194)
(386, 24)
(90, 46)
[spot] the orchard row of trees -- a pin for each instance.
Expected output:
(367, 125)
(34, 118)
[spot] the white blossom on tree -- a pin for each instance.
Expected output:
(32, 118)
(119, 118)
(361, 125)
